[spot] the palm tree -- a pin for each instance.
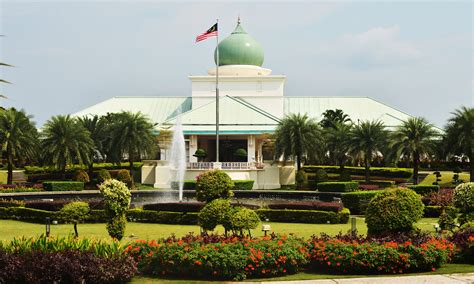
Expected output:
(333, 117)
(367, 140)
(337, 140)
(97, 129)
(19, 138)
(296, 136)
(413, 138)
(2, 80)
(460, 135)
(66, 141)
(132, 133)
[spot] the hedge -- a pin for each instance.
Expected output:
(337, 186)
(304, 216)
(374, 171)
(358, 201)
(187, 184)
(424, 189)
(243, 184)
(320, 206)
(63, 186)
(26, 214)
(56, 205)
(433, 211)
(161, 217)
(97, 166)
(379, 183)
(175, 206)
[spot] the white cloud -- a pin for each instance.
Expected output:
(380, 46)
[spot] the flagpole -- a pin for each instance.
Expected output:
(217, 92)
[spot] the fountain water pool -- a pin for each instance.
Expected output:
(177, 159)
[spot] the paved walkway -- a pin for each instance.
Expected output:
(422, 279)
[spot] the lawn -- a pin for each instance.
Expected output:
(446, 179)
(10, 229)
(3, 177)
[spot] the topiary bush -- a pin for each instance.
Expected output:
(321, 176)
(424, 189)
(125, 177)
(463, 199)
(244, 219)
(301, 178)
(103, 175)
(394, 210)
(63, 185)
(216, 212)
(82, 176)
(117, 199)
(338, 186)
(74, 213)
(212, 185)
(345, 176)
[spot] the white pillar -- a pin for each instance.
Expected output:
(193, 146)
(251, 148)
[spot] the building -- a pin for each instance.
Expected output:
(252, 102)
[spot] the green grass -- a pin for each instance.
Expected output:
(10, 229)
(446, 179)
(3, 177)
(309, 275)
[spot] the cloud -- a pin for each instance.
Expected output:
(380, 46)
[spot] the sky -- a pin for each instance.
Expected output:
(68, 55)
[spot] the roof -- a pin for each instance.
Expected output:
(236, 116)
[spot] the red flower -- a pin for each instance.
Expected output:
(329, 263)
(197, 262)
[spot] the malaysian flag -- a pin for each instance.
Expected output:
(209, 33)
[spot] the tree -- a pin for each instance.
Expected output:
(295, 136)
(65, 141)
(2, 80)
(413, 138)
(366, 140)
(74, 213)
(333, 117)
(460, 135)
(19, 138)
(97, 129)
(337, 140)
(132, 133)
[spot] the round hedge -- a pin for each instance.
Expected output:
(213, 185)
(244, 219)
(464, 197)
(81, 176)
(392, 211)
(216, 212)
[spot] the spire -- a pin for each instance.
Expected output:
(238, 20)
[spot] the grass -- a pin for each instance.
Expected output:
(310, 275)
(3, 177)
(10, 229)
(446, 179)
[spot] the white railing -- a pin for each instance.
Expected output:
(224, 165)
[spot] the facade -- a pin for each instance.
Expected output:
(251, 104)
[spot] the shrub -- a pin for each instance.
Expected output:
(304, 216)
(243, 184)
(117, 201)
(358, 201)
(212, 185)
(216, 212)
(75, 212)
(320, 206)
(26, 214)
(11, 203)
(162, 217)
(63, 186)
(394, 210)
(244, 219)
(187, 185)
(463, 199)
(81, 176)
(124, 176)
(301, 178)
(57, 204)
(444, 197)
(424, 189)
(321, 176)
(432, 211)
(337, 186)
(360, 171)
(345, 176)
(103, 175)
(464, 241)
(379, 183)
(175, 206)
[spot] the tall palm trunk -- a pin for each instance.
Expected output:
(298, 162)
(471, 162)
(130, 159)
(9, 166)
(416, 158)
(367, 167)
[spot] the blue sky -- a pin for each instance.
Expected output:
(68, 55)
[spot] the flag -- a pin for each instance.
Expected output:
(209, 33)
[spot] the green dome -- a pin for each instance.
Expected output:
(239, 49)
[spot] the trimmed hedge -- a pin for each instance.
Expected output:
(26, 214)
(358, 201)
(63, 185)
(432, 211)
(11, 203)
(161, 217)
(56, 205)
(304, 216)
(424, 189)
(187, 185)
(320, 206)
(175, 206)
(243, 184)
(337, 186)
(374, 171)
(97, 166)
(379, 183)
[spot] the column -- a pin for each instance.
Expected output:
(193, 146)
(251, 148)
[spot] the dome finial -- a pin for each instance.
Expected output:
(238, 20)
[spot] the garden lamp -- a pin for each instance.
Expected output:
(266, 228)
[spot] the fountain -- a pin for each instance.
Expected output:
(177, 159)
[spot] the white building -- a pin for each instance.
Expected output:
(252, 102)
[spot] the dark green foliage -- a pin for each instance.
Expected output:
(116, 227)
(240, 153)
(162, 217)
(244, 219)
(337, 186)
(463, 200)
(334, 117)
(315, 205)
(212, 185)
(301, 178)
(200, 153)
(424, 189)
(103, 175)
(26, 214)
(358, 201)
(74, 213)
(11, 203)
(82, 176)
(124, 176)
(394, 210)
(321, 176)
(63, 185)
(345, 176)
(379, 183)
(432, 211)
(187, 185)
(243, 184)
(304, 216)
(216, 212)
(359, 171)
(175, 206)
